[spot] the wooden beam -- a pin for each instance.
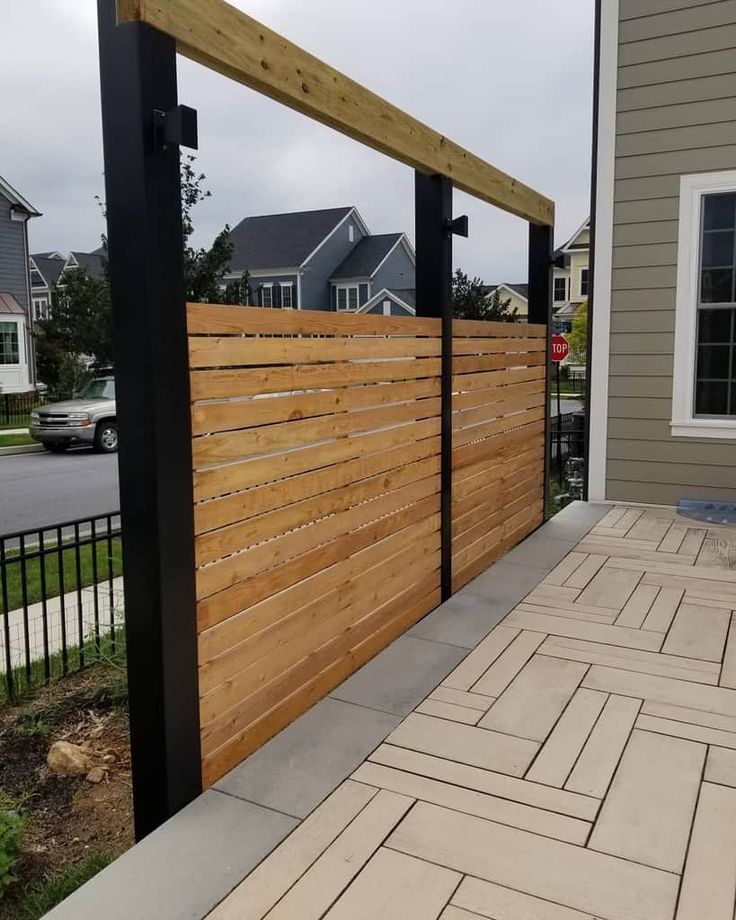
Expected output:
(220, 37)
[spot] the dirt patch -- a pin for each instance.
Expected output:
(68, 818)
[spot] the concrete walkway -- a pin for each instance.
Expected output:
(101, 607)
(579, 763)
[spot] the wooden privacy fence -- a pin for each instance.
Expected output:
(317, 454)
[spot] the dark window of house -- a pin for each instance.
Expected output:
(715, 376)
(9, 348)
(560, 288)
(584, 282)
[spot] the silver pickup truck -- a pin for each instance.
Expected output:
(89, 418)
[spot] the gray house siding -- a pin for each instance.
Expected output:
(315, 279)
(397, 272)
(676, 114)
(13, 256)
(396, 310)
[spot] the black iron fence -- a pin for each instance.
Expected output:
(567, 439)
(61, 600)
(16, 407)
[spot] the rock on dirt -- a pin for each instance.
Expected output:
(96, 774)
(67, 759)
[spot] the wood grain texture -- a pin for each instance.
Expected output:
(269, 63)
(316, 458)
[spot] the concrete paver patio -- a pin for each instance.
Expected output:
(556, 742)
(579, 763)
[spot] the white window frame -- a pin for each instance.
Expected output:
(287, 285)
(554, 283)
(40, 307)
(386, 308)
(19, 333)
(347, 288)
(684, 424)
(584, 269)
(267, 287)
(351, 233)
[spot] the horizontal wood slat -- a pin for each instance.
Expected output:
(316, 471)
(499, 408)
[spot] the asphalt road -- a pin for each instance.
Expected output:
(42, 488)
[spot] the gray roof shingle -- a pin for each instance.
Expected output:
(50, 269)
(91, 262)
(367, 256)
(281, 240)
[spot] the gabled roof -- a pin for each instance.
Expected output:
(572, 244)
(15, 198)
(282, 240)
(90, 262)
(8, 304)
(520, 290)
(54, 254)
(406, 298)
(49, 268)
(367, 256)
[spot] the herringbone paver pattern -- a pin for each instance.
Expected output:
(579, 764)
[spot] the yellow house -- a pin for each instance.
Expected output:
(518, 294)
(571, 276)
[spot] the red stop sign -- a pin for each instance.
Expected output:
(560, 347)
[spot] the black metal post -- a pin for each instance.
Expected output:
(433, 211)
(541, 244)
(143, 196)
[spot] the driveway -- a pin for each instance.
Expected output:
(40, 488)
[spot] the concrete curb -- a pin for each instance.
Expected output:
(20, 449)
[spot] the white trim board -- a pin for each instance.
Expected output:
(603, 265)
(684, 424)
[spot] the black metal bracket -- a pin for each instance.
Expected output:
(458, 227)
(558, 261)
(177, 127)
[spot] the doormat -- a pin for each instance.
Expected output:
(708, 512)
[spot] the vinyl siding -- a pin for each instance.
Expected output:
(396, 273)
(13, 265)
(676, 114)
(316, 291)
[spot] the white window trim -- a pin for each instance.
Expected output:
(684, 424)
(603, 269)
(290, 286)
(267, 287)
(347, 288)
(20, 336)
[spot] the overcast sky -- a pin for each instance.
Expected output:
(509, 81)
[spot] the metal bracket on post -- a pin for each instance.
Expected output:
(177, 127)
(458, 227)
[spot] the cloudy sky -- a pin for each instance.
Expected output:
(509, 81)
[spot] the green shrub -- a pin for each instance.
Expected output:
(11, 836)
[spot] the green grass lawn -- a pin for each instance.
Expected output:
(23, 422)
(13, 440)
(49, 568)
(110, 649)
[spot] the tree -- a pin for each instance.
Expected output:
(578, 336)
(78, 333)
(204, 269)
(470, 300)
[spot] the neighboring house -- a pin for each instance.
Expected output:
(663, 400)
(47, 269)
(516, 294)
(571, 277)
(16, 356)
(323, 260)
